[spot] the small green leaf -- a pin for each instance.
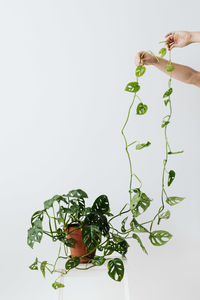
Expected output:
(35, 233)
(122, 247)
(136, 227)
(38, 215)
(165, 215)
(174, 200)
(139, 203)
(117, 238)
(109, 248)
(98, 219)
(116, 269)
(135, 236)
(56, 285)
(43, 267)
(77, 194)
(169, 68)
(164, 124)
(162, 52)
(72, 263)
(159, 237)
(168, 93)
(171, 177)
(140, 70)
(101, 204)
(91, 235)
(98, 260)
(34, 266)
(141, 146)
(132, 87)
(166, 101)
(141, 109)
(123, 229)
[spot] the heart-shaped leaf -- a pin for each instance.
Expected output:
(101, 204)
(35, 233)
(43, 267)
(91, 236)
(165, 215)
(72, 263)
(116, 269)
(136, 237)
(139, 203)
(98, 219)
(159, 237)
(109, 248)
(162, 52)
(136, 227)
(141, 146)
(168, 93)
(77, 194)
(132, 87)
(98, 260)
(34, 266)
(141, 109)
(56, 285)
(140, 70)
(171, 177)
(123, 229)
(174, 200)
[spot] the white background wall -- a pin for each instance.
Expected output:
(63, 69)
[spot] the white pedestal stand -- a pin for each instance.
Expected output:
(95, 284)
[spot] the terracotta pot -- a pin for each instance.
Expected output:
(80, 248)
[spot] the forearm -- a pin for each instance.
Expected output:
(195, 37)
(180, 72)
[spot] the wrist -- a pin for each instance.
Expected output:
(194, 37)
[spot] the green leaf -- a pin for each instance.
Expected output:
(164, 215)
(109, 248)
(38, 215)
(72, 263)
(171, 177)
(77, 194)
(164, 124)
(166, 101)
(139, 203)
(98, 260)
(140, 70)
(141, 146)
(168, 93)
(43, 267)
(101, 204)
(169, 68)
(123, 229)
(56, 285)
(122, 247)
(174, 200)
(132, 87)
(136, 227)
(49, 203)
(98, 219)
(35, 233)
(162, 52)
(141, 109)
(116, 269)
(91, 236)
(159, 237)
(117, 238)
(136, 237)
(34, 266)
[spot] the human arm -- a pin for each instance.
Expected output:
(181, 72)
(181, 38)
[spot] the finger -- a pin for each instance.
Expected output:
(168, 34)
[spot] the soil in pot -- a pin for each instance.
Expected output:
(80, 249)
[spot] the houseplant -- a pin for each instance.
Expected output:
(69, 220)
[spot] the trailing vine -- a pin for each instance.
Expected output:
(96, 221)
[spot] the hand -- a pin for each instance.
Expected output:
(143, 58)
(178, 39)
